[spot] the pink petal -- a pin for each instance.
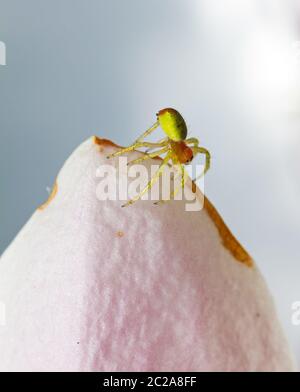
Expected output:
(90, 286)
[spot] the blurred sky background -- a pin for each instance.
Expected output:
(77, 68)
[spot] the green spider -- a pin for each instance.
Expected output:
(175, 145)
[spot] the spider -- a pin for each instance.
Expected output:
(175, 145)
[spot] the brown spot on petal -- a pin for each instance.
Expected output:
(228, 239)
(50, 198)
(120, 234)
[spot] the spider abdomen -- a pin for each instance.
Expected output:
(173, 124)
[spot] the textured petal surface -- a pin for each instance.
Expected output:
(90, 286)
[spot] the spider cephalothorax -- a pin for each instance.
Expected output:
(184, 153)
(175, 146)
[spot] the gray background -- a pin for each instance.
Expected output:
(78, 68)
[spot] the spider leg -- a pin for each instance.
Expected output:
(193, 140)
(202, 150)
(147, 132)
(151, 182)
(176, 190)
(196, 149)
(134, 146)
(183, 176)
(164, 140)
(182, 182)
(149, 156)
